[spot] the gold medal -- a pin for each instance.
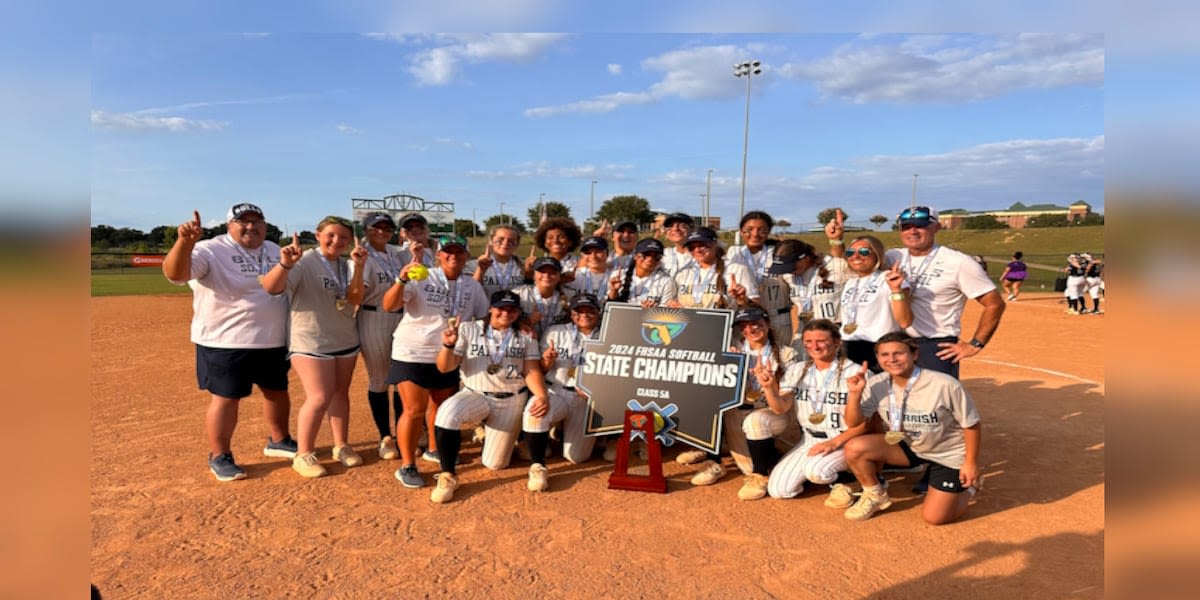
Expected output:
(806, 315)
(894, 437)
(493, 369)
(850, 328)
(261, 278)
(340, 303)
(754, 395)
(816, 418)
(571, 372)
(452, 322)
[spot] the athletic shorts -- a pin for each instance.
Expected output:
(233, 372)
(425, 375)
(941, 477)
(927, 358)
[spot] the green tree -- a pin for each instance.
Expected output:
(783, 225)
(621, 208)
(1047, 220)
(307, 238)
(507, 219)
(464, 227)
(553, 209)
(828, 215)
(1091, 219)
(983, 222)
(879, 220)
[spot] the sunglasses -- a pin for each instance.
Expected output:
(919, 212)
(907, 226)
(651, 255)
(859, 251)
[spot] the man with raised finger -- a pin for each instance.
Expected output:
(240, 330)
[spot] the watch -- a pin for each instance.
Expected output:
(976, 343)
(400, 281)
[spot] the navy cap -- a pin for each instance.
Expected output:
(749, 314)
(585, 300)
(406, 219)
(921, 216)
(375, 218)
(648, 245)
(547, 261)
(505, 298)
(673, 217)
(782, 264)
(446, 243)
(594, 242)
(626, 224)
(704, 235)
(237, 210)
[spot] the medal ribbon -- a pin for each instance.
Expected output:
(757, 268)
(505, 281)
(339, 282)
(455, 296)
(384, 260)
(818, 401)
(914, 277)
(896, 417)
(850, 296)
(698, 286)
(262, 258)
(496, 354)
(763, 356)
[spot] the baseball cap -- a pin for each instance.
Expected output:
(505, 298)
(585, 300)
(704, 234)
(782, 264)
(237, 210)
(594, 242)
(626, 224)
(375, 218)
(648, 245)
(674, 217)
(921, 216)
(446, 242)
(749, 314)
(412, 217)
(547, 261)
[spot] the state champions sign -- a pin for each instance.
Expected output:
(674, 361)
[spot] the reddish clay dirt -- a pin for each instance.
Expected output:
(162, 526)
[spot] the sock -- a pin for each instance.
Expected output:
(763, 454)
(876, 490)
(1096, 304)
(379, 412)
(448, 443)
(537, 446)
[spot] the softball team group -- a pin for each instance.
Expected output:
(853, 353)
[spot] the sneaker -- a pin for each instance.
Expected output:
(754, 487)
(436, 457)
(1072, 311)
(610, 451)
(840, 496)
(537, 478)
(307, 465)
(410, 477)
(478, 436)
(281, 449)
(1011, 297)
(444, 492)
(224, 468)
(868, 504)
(711, 472)
(691, 457)
(347, 456)
(387, 448)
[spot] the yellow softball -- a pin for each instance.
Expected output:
(418, 272)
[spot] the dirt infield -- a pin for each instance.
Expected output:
(162, 526)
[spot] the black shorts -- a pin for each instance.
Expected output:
(927, 358)
(425, 375)
(941, 477)
(233, 372)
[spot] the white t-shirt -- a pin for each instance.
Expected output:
(697, 287)
(589, 282)
(480, 346)
(657, 287)
(427, 306)
(866, 302)
(568, 341)
(941, 283)
(230, 308)
(674, 261)
(828, 388)
(553, 310)
(936, 412)
(807, 292)
(757, 262)
(379, 273)
(316, 325)
(501, 276)
(787, 358)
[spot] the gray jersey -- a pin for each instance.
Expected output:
(934, 415)
(481, 347)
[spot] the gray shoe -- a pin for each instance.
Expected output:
(285, 448)
(410, 477)
(224, 468)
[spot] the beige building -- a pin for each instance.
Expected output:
(1016, 216)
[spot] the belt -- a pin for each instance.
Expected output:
(817, 434)
(569, 388)
(376, 308)
(501, 395)
(952, 338)
(783, 311)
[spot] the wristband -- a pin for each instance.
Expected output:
(896, 296)
(399, 281)
(836, 243)
(448, 346)
(285, 267)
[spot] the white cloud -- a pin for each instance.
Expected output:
(342, 127)
(614, 69)
(945, 68)
(700, 73)
(441, 65)
(135, 122)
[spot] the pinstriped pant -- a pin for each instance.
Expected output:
(501, 418)
(570, 408)
(375, 338)
(788, 477)
(758, 424)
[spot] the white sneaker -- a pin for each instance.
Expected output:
(840, 496)
(868, 504)
(754, 487)
(443, 492)
(347, 456)
(537, 478)
(387, 448)
(690, 457)
(711, 472)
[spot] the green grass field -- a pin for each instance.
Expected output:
(1045, 251)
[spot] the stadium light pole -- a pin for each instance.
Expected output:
(502, 217)
(747, 69)
(708, 197)
(914, 193)
(592, 202)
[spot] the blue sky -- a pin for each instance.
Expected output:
(302, 123)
